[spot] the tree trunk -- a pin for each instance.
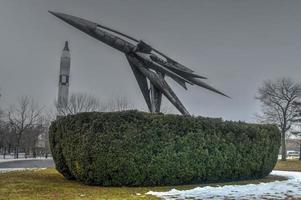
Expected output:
(26, 153)
(4, 152)
(18, 145)
(34, 153)
(300, 152)
(283, 146)
(16, 152)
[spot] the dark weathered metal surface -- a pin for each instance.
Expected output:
(156, 96)
(142, 82)
(146, 63)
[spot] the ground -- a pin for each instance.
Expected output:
(50, 185)
(289, 165)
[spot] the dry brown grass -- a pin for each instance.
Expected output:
(50, 185)
(289, 165)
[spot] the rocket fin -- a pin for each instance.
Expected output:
(143, 57)
(180, 82)
(170, 95)
(162, 85)
(205, 85)
(156, 98)
(173, 67)
(142, 82)
(178, 65)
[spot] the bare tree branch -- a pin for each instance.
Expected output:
(118, 103)
(23, 116)
(277, 98)
(79, 102)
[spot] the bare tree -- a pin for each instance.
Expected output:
(1, 111)
(35, 140)
(8, 138)
(1, 128)
(297, 126)
(22, 117)
(80, 102)
(277, 98)
(168, 108)
(2, 136)
(118, 103)
(44, 139)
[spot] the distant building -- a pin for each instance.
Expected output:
(64, 79)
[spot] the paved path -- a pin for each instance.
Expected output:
(30, 163)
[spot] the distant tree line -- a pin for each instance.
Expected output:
(24, 128)
(82, 102)
(24, 125)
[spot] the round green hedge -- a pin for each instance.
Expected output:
(134, 148)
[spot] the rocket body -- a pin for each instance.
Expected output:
(64, 78)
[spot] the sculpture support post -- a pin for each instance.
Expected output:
(156, 96)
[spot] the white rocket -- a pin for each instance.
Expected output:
(63, 92)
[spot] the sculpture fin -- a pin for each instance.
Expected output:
(149, 62)
(142, 82)
(162, 85)
(164, 88)
(174, 68)
(156, 98)
(178, 65)
(180, 82)
(205, 85)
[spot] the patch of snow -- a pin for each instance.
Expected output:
(271, 190)
(22, 159)
(5, 170)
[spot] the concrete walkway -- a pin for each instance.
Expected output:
(26, 163)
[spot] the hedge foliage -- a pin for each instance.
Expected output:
(134, 148)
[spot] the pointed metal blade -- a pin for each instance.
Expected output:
(79, 23)
(147, 60)
(142, 82)
(205, 85)
(162, 85)
(156, 98)
(180, 82)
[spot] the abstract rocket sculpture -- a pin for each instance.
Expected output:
(64, 80)
(146, 63)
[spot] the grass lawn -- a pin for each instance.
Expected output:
(289, 165)
(50, 185)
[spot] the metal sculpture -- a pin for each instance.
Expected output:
(146, 62)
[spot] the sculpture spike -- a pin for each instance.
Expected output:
(156, 98)
(142, 82)
(205, 85)
(160, 84)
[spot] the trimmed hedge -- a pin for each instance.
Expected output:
(134, 148)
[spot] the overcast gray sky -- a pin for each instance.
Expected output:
(236, 44)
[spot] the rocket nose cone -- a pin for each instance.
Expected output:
(52, 12)
(58, 14)
(79, 23)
